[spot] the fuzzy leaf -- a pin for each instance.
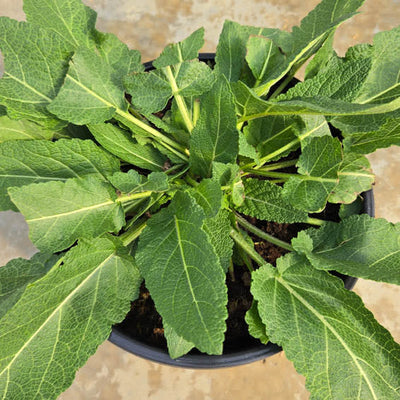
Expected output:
(246, 149)
(318, 168)
(17, 274)
(61, 319)
(120, 142)
(183, 274)
(208, 195)
(264, 200)
(355, 177)
(231, 49)
(256, 326)
(11, 129)
(367, 142)
(215, 136)
(70, 20)
(31, 79)
(58, 213)
(89, 94)
(33, 161)
(383, 82)
(377, 242)
(218, 229)
(332, 339)
(177, 345)
(151, 91)
(133, 182)
(185, 50)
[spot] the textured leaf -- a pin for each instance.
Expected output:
(327, 332)
(218, 229)
(263, 56)
(215, 136)
(58, 213)
(355, 177)
(367, 142)
(359, 246)
(354, 208)
(208, 195)
(318, 168)
(17, 274)
(383, 82)
(89, 94)
(70, 20)
(33, 161)
(151, 91)
(183, 274)
(185, 50)
(264, 200)
(256, 326)
(11, 129)
(62, 319)
(31, 78)
(133, 182)
(231, 49)
(246, 149)
(120, 142)
(177, 345)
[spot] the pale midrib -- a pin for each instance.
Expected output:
(28, 86)
(336, 334)
(7, 368)
(380, 94)
(51, 178)
(83, 209)
(185, 267)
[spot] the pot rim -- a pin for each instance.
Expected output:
(231, 358)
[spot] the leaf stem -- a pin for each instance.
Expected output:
(263, 235)
(129, 197)
(133, 233)
(241, 242)
(315, 221)
(179, 99)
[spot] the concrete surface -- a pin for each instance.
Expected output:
(113, 374)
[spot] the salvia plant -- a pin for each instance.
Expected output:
(125, 175)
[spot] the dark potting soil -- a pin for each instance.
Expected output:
(145, 324)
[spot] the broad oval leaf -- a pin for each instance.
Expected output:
(58, 213)
(177, 345)
(183, 274)
(327, 332)
(33, 161)
(61, 319)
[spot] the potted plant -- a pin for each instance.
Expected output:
(177, 176)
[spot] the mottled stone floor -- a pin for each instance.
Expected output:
(113, 374)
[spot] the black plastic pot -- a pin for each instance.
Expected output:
(244, 355)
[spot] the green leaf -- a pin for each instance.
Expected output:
(177, 345)
(256, 326)
(246, 149)
(359, 246)
(263, 56)
(31, 79)
(318, 168)
(133, 182)
(33, 161)
(208, 195)
(89, 94)
(120, 142)
(354, 208)
(70, 20)
(58, 213)
(383, 82)
(367, 142)
(218, 229)
(61, 319)
(185, 50)
(263, 200)
(183, 274)
(332, 339)
(231, 49)
(355, 177)
(215, 136)
(11, 129)
(17, 274)
(151, 91)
